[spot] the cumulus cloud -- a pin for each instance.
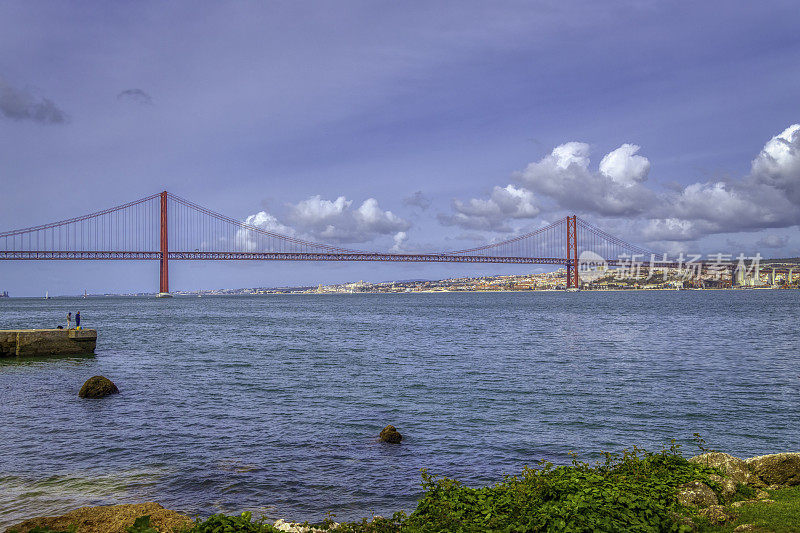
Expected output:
(615, 189)
(778, 163)
(18, 104)
(246, 240)
(493, 213)
(624, 167)
(336, 221)
(563, 180)
(268, 222)
(769, 197)
(399, 240)
(136, 96)
(325, 221)
(417, 200)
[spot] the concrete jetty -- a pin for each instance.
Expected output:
(27, 342)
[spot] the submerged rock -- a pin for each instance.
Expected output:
(781, 469)
(97, 387)
(696, 494)
(109, 519)
(391, 435)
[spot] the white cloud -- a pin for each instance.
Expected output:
(325, 222)
(316, 209)
(329, 221)
(778, 164)
(709, 208)
(370, 215)
(563, 180)
(399, 239)
(247, 240)
(503, 204)
(268, 222)
(624, 167)
(614, 190)
(768, 198)
(570, 154)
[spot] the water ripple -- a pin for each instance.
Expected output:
(272, 403)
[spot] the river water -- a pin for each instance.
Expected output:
(273, 403)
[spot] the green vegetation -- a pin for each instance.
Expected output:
(633, 491)
(783, 516)
(220, 523)
(142, 525)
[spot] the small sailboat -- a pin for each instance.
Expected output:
(46, 295)
(84, 294)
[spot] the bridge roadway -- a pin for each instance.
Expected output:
(319, 256)
(275, 256)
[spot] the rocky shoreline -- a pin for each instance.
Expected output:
(771, 472)
(717, 499)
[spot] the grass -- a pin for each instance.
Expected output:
(783, 516)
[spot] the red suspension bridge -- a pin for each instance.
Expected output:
(164, 227)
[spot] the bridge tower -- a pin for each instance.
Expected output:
(572, 252)
(164, 270)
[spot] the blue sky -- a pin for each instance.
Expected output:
(416, 126)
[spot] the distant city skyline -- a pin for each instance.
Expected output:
(420, 127)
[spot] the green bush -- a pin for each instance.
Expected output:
(629, 492)
(220, 523)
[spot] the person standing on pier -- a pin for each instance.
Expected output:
(78, 320)
(69, 319)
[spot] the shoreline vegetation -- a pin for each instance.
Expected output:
(631, 491)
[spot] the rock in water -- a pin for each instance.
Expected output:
(391, 435)
(97, 387)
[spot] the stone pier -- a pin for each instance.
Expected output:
(26, 342)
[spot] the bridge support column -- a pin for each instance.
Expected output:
(572, 252)
(163, 287)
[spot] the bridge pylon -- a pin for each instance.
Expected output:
(572, 252)
(163, 290)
